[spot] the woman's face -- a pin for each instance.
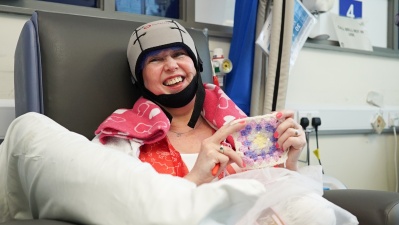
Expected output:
(168, 71)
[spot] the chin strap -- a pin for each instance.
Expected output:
(199, 102)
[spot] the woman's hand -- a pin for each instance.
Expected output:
(290, 137)
(212, 153)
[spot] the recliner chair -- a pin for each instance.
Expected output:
(74, 70)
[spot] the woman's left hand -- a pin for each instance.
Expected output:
(291, 137)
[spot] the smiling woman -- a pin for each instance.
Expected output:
(167, 72)
(164, 60)
(173, 68)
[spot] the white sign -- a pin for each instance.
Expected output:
(351, 33)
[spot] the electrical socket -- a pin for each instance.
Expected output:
(393, 119)
(309, 114)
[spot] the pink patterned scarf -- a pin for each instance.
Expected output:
(146, 123)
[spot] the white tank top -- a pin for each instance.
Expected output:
(189, 160)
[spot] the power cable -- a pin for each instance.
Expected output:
(316, 122)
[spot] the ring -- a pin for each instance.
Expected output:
(221, 149)
(296, 133)
(224, 143)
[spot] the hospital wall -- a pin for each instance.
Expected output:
(318, 78)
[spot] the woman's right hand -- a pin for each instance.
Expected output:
(212, 153)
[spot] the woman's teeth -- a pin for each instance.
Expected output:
(173, 81)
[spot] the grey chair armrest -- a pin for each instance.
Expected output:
(371, 207)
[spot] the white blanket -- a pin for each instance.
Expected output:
(48, 172)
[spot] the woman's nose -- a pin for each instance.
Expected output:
(171, 63)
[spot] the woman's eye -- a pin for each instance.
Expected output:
(154, 59)
(177, 54)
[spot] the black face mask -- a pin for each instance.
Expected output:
(180, 99)
(176, 100)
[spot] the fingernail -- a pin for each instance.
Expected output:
(275, 135)
(277, 145)
(244, 165)
(279, 115)
(242, 121)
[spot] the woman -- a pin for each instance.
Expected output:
(47, 172)
(167, 71)
(189, 128)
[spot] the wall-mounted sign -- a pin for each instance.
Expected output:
(351, 33)
(350, 8)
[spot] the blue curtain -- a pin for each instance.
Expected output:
(239, 81)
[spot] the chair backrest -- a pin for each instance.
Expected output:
(74, 69)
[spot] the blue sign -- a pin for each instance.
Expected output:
(350, 8)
